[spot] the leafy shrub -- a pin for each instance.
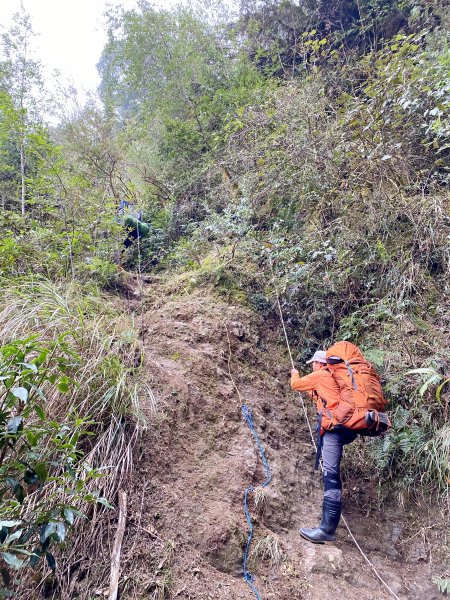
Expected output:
(82, 412)
(42, 470)
(402, 105)
(416, 450)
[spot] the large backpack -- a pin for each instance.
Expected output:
(362, 401)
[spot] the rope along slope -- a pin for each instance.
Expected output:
(247, 414)
(372, 566)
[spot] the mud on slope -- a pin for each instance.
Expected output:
(186, 527)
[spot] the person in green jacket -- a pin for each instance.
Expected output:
(131, 219)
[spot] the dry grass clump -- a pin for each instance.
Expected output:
(260, 498)
(267, 548)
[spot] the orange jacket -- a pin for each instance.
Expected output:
(323, 387)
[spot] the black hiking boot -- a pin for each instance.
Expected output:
(331, 513)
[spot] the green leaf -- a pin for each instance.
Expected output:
(104, 502)
(42, 357)
(22, 551)
(439, 390)
(39, 411)
(21, 393)
(37, 553)
(28, 534)
(41, 471)
(12, 560)
(39, 392)
(63, 385)
(47, 530)
(13, 425)
(10, 523)
(32, 438)
(16, 488)
(61, 531)
(13, 536)
(435, 378)
(69, 516)
(421, 371)
(30, 366)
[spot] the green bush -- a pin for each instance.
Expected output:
(414, 456)
(43, 472)
(70, 412)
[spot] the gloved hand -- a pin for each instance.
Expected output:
(294, 377)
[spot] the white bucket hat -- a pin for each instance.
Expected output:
(319, 356)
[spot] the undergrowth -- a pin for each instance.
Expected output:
(300, 150)
(266, 548)
(96, 389)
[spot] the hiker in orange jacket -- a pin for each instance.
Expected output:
(325, 391)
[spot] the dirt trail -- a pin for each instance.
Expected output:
(187, 529)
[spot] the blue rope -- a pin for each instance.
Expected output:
(247, 414)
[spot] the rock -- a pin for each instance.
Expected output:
(389, 550)
(324, 559)
(424, 589)
(239, 330)
(394, 581)
(416, 552)
(224, 552)
(396, 532)
(359, 579)
(277, 512)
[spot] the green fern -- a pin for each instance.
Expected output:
(442, 584)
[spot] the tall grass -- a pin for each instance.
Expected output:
(106, 363)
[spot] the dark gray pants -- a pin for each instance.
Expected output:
(333, 443)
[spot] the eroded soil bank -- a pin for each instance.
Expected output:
(186, 527)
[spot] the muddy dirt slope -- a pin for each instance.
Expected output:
(186, 525)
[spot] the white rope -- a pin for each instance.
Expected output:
(289, 350)
(372, 566)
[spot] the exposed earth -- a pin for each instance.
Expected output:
(186, 529)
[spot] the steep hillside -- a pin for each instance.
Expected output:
(186, 528)
(300, 145)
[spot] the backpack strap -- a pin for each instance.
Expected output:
(350, 372)
(334, 360)
(325, 408)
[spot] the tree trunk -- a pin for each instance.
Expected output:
(22, 176)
